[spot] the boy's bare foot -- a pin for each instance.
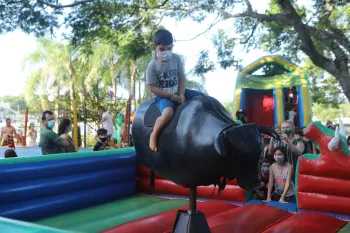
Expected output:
(153, 142)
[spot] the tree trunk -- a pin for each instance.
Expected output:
(71, 84)
(344, 80)
(339, 67)
(97, 95)
(114, 81)
(132, 84)
(140, 97)
(57, 105)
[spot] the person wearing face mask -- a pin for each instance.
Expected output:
(280, 177)
(165, 76)
(102, 143)
(64, 128)
(261, 193)
(50, 142)
(295, 148)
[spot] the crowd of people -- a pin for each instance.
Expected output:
(278, 162)
(51, 142)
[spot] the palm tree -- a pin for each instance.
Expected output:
(51, 60)
(133, 47)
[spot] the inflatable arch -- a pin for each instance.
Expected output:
(268, 98)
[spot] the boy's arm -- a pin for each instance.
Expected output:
(182, 83)
(160, 92)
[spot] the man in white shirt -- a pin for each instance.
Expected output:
(107, 122)
(292, 114)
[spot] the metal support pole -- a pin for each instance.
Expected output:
(193, 201)
(85, 122)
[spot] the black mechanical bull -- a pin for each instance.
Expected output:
(200, 145)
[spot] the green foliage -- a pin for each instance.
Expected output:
(228, 107)
(29, 16)
(323, 113)
(134, 46)
(104, 19)
(325, 89)
(90, 141)
(15, 102)
(190, 84)
(225, 45)
(204, 64)
(273, 31)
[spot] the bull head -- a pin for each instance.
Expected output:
(242, 145)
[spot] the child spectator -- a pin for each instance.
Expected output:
(102, 143)
(264, 177)
(10, 153)
(32, 134)
(280, 177)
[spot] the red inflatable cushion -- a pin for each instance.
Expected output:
(248, 219)
(231, 192)
(165, 221)
(308, 222)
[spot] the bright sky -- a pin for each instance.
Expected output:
(16, 46)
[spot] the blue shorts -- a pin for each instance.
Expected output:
(163, 103)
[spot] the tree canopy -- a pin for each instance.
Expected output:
(299, 30)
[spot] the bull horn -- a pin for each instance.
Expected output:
(268, 131)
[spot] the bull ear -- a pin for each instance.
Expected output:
(268, 131)
(220, 144)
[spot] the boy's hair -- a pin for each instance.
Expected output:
(101, 131)
(283, 149)
(10, 153)
(162, 37)
(101, 108)
(299, 132)
(267, 161)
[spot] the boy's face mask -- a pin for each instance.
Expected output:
(165, 55)
(265, 171)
